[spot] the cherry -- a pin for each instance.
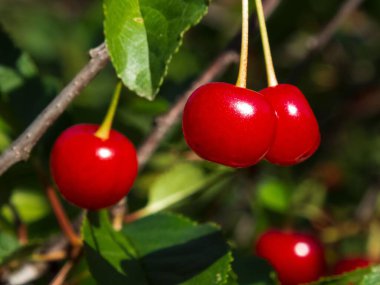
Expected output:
(297, 258)
(297, 136)
(91, 172)
(229, 125)
(350, 264)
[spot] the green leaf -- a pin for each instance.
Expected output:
(274, 195)
(109, 254)
(366, 276)
(180, 177)
(26, 66)
(14, 64)
(8, 244)
(180, 182)
(19, 82)
(252, 270)
(143, 35)
(9, 53)
(160, 249)
(372, 278)
(9, 80)
(5, 130)
(20, 253)
(31, 205)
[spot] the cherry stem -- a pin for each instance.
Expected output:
(57, 207)
(104, 130)
(242, 77)
(271, 74)
(62, 218)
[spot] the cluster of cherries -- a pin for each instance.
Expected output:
(94, 166)
(238, 127)
(298, 258)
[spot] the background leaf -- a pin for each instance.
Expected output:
(252, 270)
(143, 35)
(274, 195)
(8, 244)
(181, 181)
(176, 179)
(31, 205)
(366, 276)
(108, 253)
(163, 248)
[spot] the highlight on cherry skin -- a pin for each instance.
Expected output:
(90, 172)
(297, 135)
(296, 257)
(229, 125)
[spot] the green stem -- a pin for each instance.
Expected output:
(242, 77)
(272, 79)
(105, 128)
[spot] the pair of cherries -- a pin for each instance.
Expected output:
(299, 258)
(238, 127)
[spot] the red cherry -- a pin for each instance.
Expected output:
(90, 172)
(350, 264)
(297, 136)
(229, 125)
(297, 258)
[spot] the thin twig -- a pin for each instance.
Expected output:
(323, 38)
(60, 278)
(270, 6)
(366, 208)
(20, 149)
(50, 256)
(320, 40)
(56, 205)
(62, 274)
(62, 218)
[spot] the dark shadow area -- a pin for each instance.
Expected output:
(252, 270)
(106, 274)
(177, 264)
(9, 54)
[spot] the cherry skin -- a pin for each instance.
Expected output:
(229, 125)
(297, 258)
(92, 173)
(350, 264)
(297, 135)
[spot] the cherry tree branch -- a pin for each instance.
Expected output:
(321, 39)
(20, 149)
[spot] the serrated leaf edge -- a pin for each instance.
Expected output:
(152, 96)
